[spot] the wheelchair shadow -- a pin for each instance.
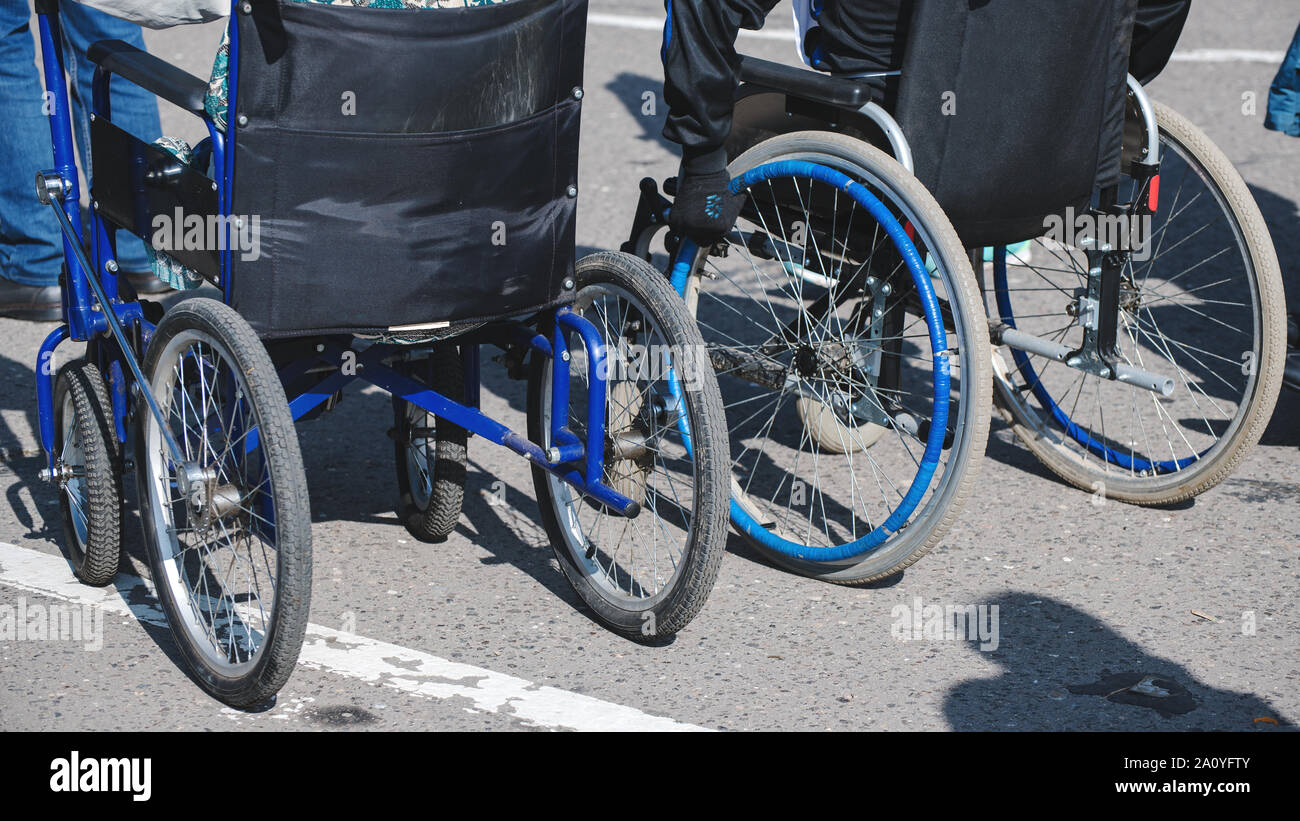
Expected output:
(504, 520)
(344, 451)
(1284, 428)
(1050, 653)
(1005, 448)
(742, 548)
(502, 517)
(41, 518)
(1283, 218)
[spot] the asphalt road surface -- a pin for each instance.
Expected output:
(482, 632)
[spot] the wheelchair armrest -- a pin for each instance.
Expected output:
(150, 73)
(809, 85)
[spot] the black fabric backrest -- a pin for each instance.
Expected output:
(1014, 109)
(408, 166)
(411, 70)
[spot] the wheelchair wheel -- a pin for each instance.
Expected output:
(232, 559)
(89, 466)
(1205, 309)
(845, 327)
(644, 577)
(430, 454)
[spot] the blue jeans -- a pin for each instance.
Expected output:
(1284, 95)
(31, 245)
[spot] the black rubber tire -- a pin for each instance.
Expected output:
(1248, 426)
(81, 388)
(292, 512)
(702, 557)
(437, 518)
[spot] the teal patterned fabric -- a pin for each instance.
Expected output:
(167, 268)
(216, 102)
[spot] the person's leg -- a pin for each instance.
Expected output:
(31, 250)
(861, 36)
(133, 109)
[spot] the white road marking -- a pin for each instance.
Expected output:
(358, 657)
(1227, 55)
(628, 21)
(1191, 55)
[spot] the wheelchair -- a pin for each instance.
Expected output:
(1122, 284)
(394, 247)
(846, 328)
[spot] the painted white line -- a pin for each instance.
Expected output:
(628, 21)
(374, 662)
(1227, 55)
(1193, 55)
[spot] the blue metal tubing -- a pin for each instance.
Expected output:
(1127, 461)
(109, 320)
(45, 375)
(560, 433)
(596, 388)
(370, 368)
(223, 147)
(81, 321)
(681, 271)
(65, 162)
(85, 289)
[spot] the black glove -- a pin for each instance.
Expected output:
(705, 209)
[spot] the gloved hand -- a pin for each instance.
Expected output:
(704, 210)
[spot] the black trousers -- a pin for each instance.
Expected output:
(700, 59)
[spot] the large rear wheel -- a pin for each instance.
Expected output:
(665, 448)
(1203, 306)
(846, 329)
(228, 525)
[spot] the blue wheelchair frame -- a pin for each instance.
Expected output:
(93, 312)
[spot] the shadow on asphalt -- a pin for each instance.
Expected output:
(632, 90)
(27, 467)
(1283, 218)
(1046, 648)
